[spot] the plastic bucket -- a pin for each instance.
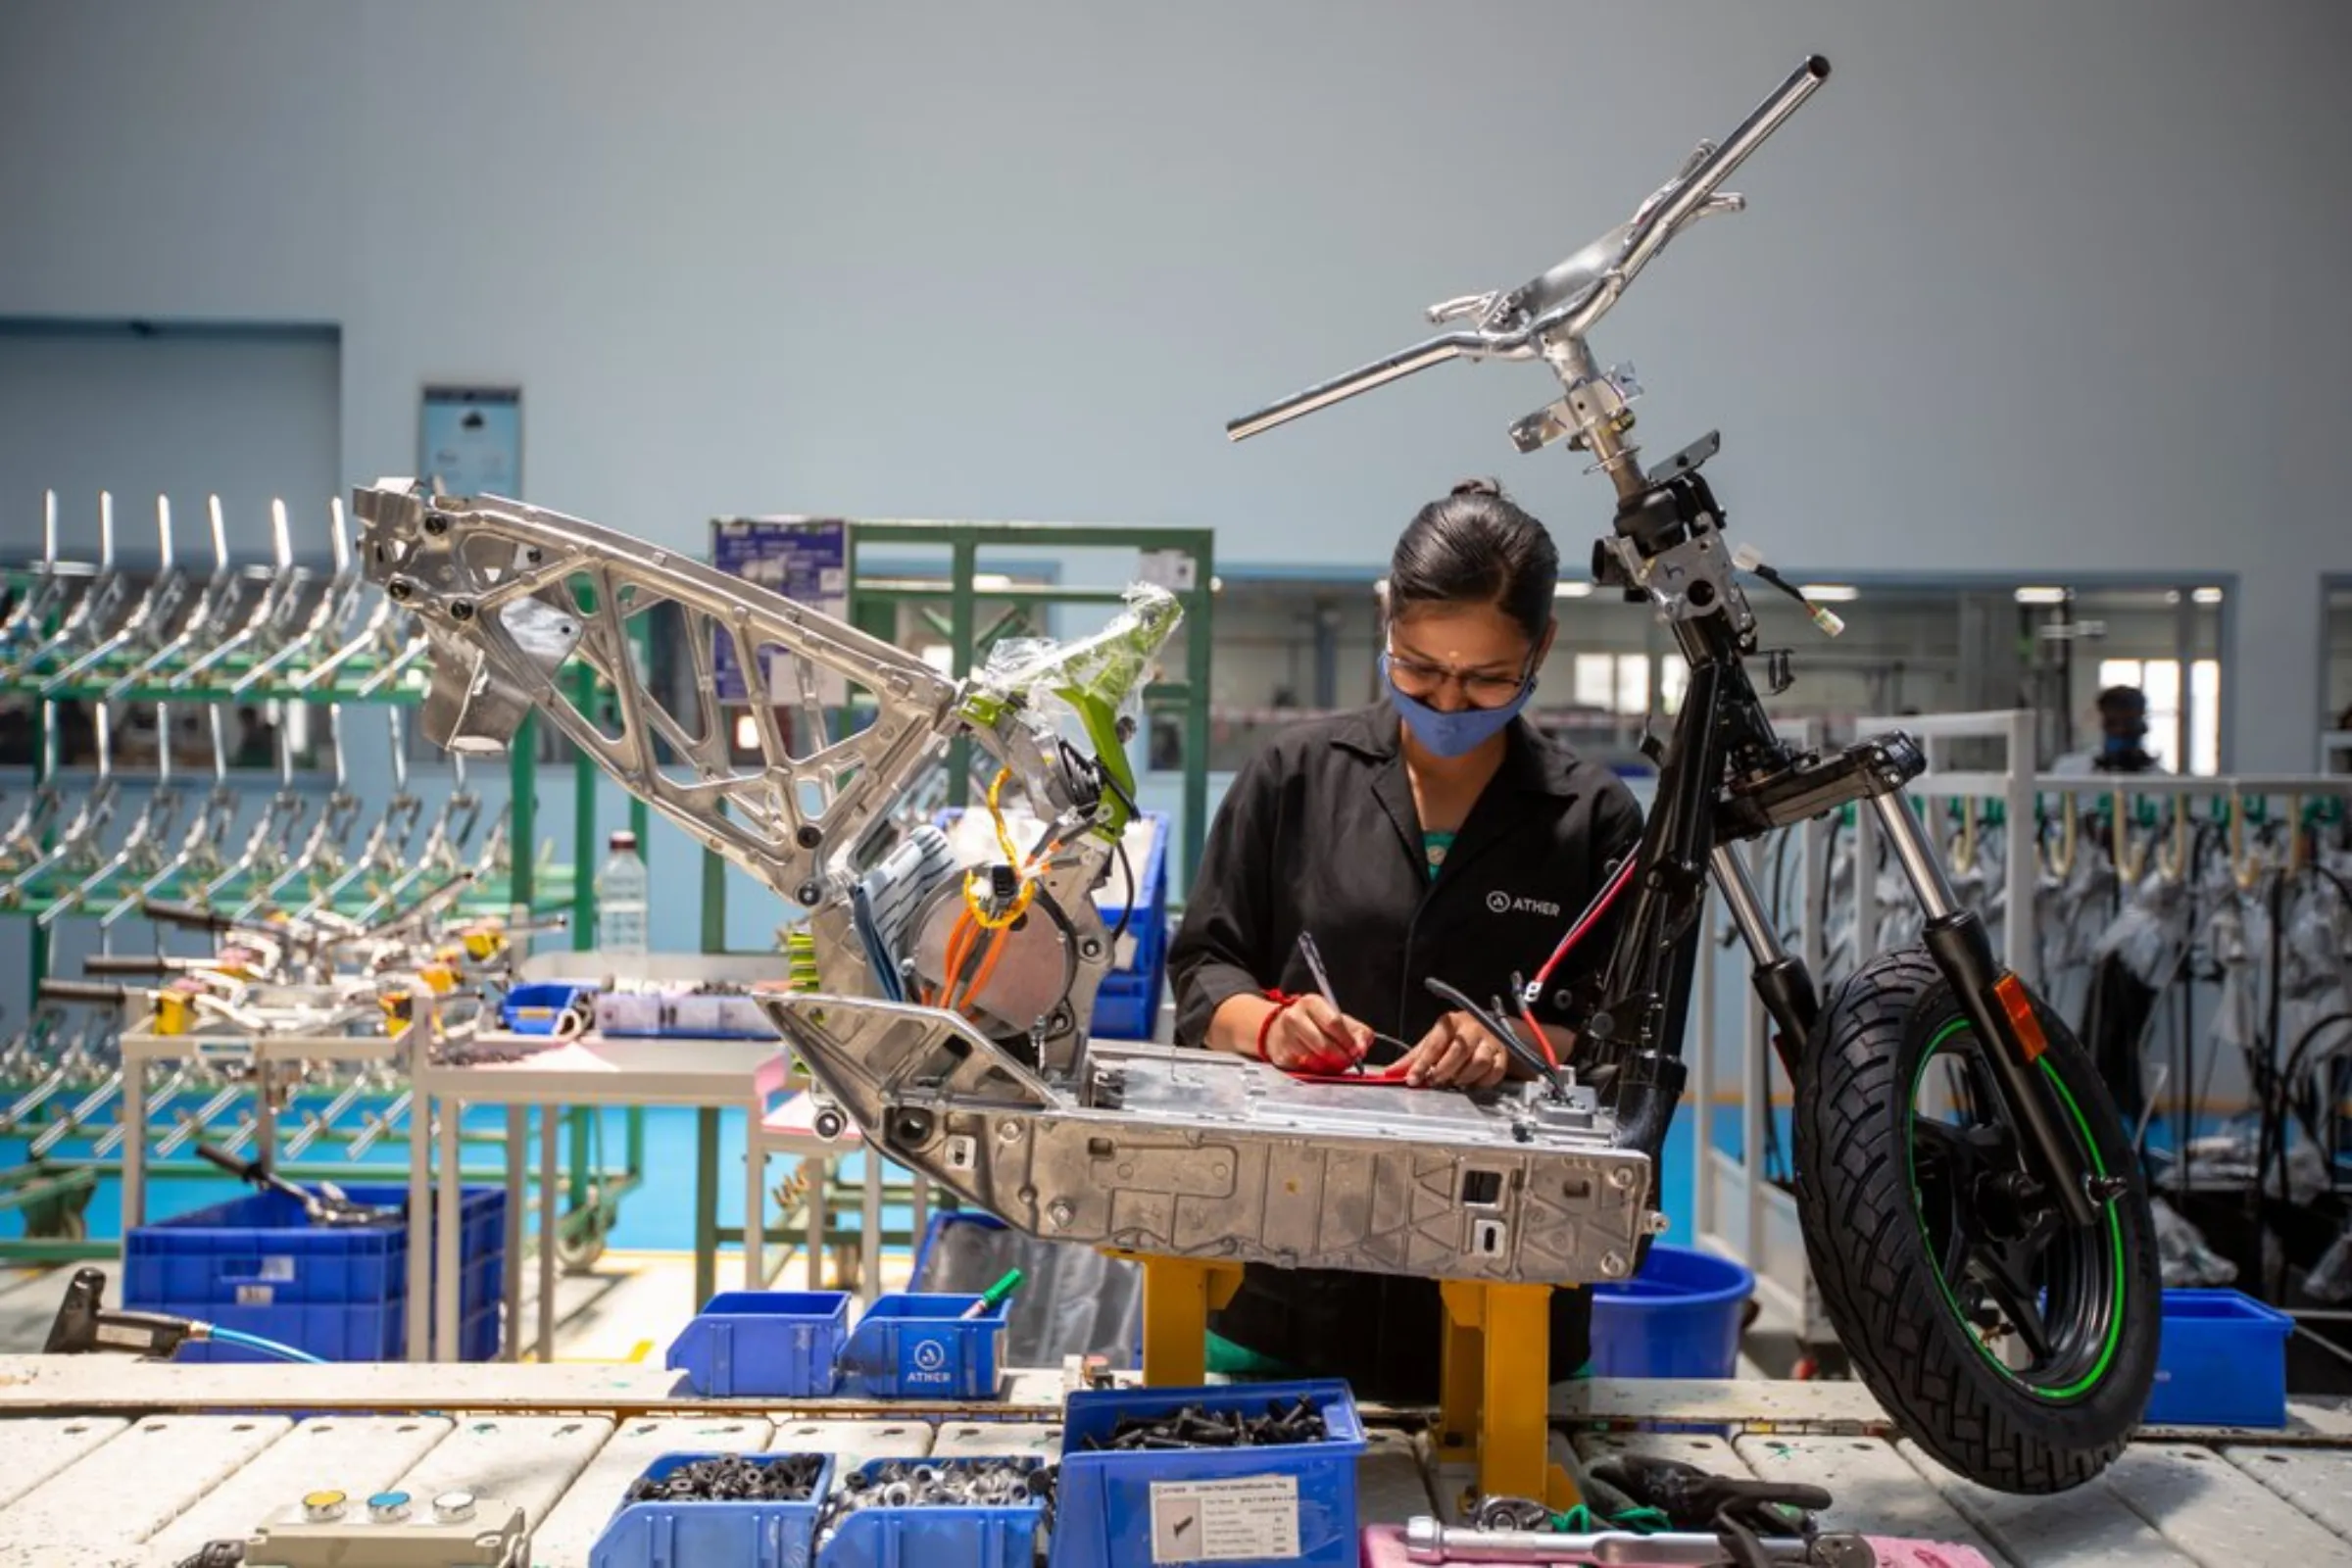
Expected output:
(1680, 1317)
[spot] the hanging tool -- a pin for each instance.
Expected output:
(141, 852)
(323, 1203)
(32, 610)
(210, 619)
(199, 854)
(21, 844)
(273, 608)
(77, 848)
(265, 848)
(325, 846)
(149, 618)
(329, 616)
(385, 850)
(95, 609)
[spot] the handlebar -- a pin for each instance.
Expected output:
(1565, 302)
(83, 991)
(138, 963)
(163, 912)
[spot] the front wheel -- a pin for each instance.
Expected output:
(2015, 1347)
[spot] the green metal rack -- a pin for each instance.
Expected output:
(53, 1191)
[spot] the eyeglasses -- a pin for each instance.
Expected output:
(1420, 679)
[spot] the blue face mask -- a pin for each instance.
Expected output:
(1454, 734)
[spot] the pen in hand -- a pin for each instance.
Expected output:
(1322, 977)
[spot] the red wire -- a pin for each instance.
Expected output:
(1586, 921)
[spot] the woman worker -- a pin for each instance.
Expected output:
(1435, 834)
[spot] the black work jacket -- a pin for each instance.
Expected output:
(1319, 833)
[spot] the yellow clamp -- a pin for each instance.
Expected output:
(174, 1012)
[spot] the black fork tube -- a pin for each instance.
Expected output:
(1962, 950)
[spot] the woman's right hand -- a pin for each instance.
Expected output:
(1310, 1035)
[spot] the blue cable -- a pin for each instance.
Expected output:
(254, 1342)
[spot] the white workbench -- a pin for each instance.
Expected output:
(708, 1075)
(214, 1447)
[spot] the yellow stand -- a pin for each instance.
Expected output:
(1494, 1396)
(1495, 1400)
(1179, 1293)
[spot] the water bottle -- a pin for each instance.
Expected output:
(622, 916)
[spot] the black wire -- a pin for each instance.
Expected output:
(1126, 910)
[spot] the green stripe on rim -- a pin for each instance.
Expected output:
(2115, 1227)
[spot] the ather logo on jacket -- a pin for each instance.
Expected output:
(1501, 903)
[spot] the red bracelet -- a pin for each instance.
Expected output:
(1282, 1004)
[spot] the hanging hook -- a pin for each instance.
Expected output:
(2246, 867)
(2172, 851)
(2130, 860)
(2062, 865)
(1964, 854)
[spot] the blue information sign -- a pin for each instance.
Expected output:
(807, 560)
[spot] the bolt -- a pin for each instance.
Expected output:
(1090, 948)
(808, 896)
(1659, 1223)
(1612, 1264)
(1008, 1132)
(435, 525)
(461, 610)
(1622, 1177)
(1060, 1212)
(809, 836)
(399, 589)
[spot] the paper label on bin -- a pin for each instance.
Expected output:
(1225, 1521)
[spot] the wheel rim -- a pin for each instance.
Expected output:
(2042, 1300)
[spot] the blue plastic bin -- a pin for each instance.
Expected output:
(258, 1265)
(718, 1534)
(1149, 1505)
(2222, 1361)
(921, 1347)
(1679, 1317)
(536, 1007)
(1127, 1005)
(772, 1342)
(923, 1536)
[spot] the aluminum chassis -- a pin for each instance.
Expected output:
(1169, 1152)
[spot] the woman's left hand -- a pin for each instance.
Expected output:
(1457, 1052)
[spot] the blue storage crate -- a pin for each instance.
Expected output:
(921, 1347)
(256, 1265)
(1150, 1505)
(713, 1535)
(1127, 1006)
(920, 1536)
(535, 1008)
(769, 1342)
(2222, 1361)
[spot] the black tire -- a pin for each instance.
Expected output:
(1880, 1220)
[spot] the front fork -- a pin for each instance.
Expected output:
(1995, 1001)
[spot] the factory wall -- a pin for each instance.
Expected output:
(2034, 286)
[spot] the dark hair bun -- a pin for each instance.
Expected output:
(1476, 547)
